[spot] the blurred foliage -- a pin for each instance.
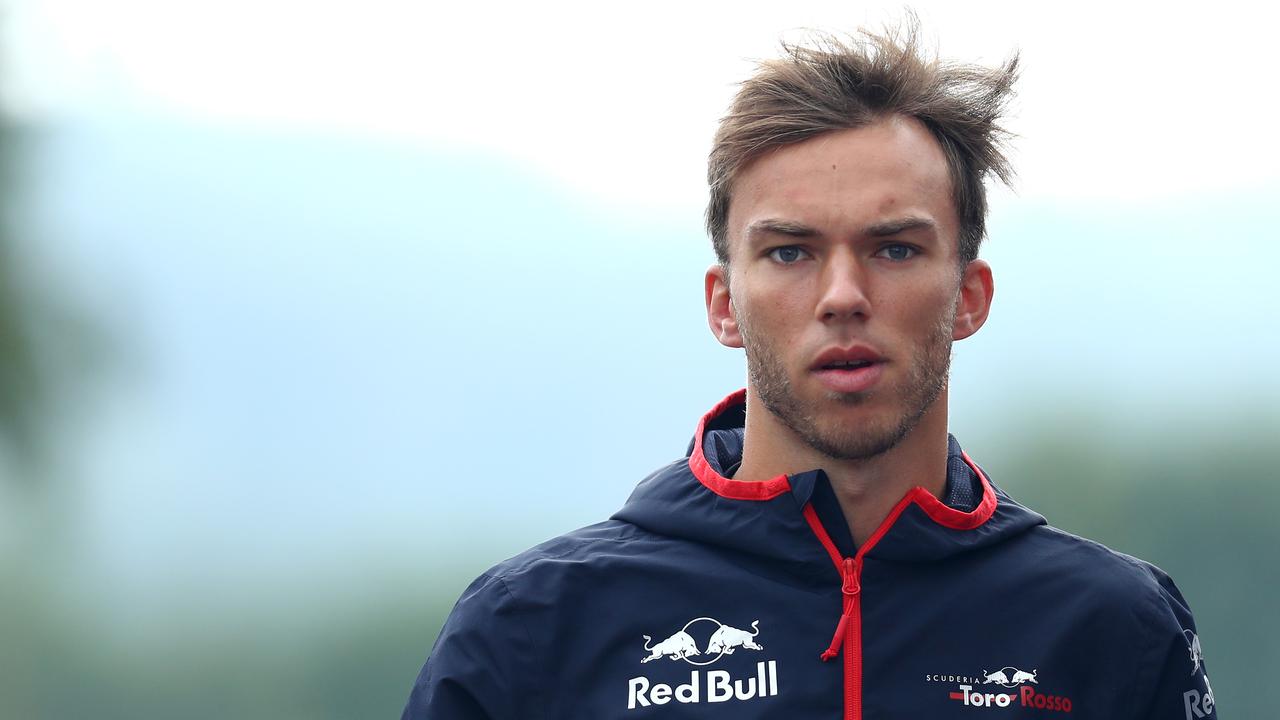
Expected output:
(353, 661)
(51, 347)
(1199, 505)
(22, 389)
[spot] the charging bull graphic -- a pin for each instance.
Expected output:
(724, 640)
(1021, 677)
(1010, 677)
(998, 677)
(676, 647)
(1193, 647)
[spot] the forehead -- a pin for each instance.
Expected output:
(844, 180)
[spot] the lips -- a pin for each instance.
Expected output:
(849, 369)
(845, 365)
(843, 358)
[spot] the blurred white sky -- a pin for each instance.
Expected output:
(1119, 100)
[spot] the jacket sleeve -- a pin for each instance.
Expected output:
(481, 667)
(1181, 684)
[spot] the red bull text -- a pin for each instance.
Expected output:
(705, 686)
(1198, 704)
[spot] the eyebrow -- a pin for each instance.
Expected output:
(893, 227)
(884, 228)
(780, 227)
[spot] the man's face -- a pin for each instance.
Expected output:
(844, 284)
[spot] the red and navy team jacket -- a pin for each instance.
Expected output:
(708, 597)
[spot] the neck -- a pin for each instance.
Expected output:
(868, 488)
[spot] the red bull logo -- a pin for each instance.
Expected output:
(681, 645)
(714, 686)
(705, 686)
(1009, 676)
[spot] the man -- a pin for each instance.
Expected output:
(825, 548)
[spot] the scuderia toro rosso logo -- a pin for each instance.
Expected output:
(700, 642)
(1013, 687)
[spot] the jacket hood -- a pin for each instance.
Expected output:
(777, 518)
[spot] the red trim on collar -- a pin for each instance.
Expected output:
(950, 517)
(732, 489)
(721, 485)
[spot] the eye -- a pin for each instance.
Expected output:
(787, 254)
(897, 252)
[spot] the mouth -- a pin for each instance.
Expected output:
(847, 358)
(849, 370)
(846, 365)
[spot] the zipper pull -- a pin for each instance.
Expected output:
(836, 641)
(849, 587)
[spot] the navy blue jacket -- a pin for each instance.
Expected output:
(707, 597)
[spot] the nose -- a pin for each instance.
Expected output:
(843, 292)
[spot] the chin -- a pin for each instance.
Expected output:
(866, 439)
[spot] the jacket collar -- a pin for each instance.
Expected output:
(693, 498)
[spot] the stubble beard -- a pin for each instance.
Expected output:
(926, 379)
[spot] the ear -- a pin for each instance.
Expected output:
(974, 301)
(720, 312)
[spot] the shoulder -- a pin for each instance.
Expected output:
(1107, 573)
(609, 546)
(575, 566)
(1103, 581)
(1118, 615)
(586, 545)
(1122, 598)
(488, 660)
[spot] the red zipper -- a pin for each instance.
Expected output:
(848, 635)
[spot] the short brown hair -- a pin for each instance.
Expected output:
(836, 84)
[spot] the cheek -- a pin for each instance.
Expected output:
(914, 322)
(929, 304)
(777, 317)
(770, 306)
(769, 329)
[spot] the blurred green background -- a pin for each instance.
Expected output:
(310, 315)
